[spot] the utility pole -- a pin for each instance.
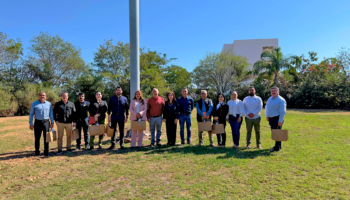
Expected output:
(134, 47)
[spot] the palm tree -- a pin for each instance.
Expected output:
(272, 62)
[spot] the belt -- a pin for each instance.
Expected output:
(274, 117)
(44, 120)
(117, 113)
(185, 114)
(156, 116)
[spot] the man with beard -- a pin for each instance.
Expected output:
(82, 112)
(252, 106)
(119, 107)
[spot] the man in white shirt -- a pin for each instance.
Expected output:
(252, 106)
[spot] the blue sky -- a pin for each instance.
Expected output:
(184, 29)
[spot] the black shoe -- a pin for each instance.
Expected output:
(37, 153)
(87, 147)
(99, 146)
(274, 149)
(152, 145)
(211, 145)
(158, 144)
(189, 143)
(122, 147)
(59, 153)
(70, 150)
(168, 144)
(200, 144)
(46, 154)
(78, 148)
(91, 148)
(182, 143)
(111, 147)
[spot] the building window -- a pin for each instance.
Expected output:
(269, 48)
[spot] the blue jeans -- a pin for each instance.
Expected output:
(188, 120)
(235, 127)
(155, 121)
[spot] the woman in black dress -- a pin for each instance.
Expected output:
(220, 112)
(170, 117)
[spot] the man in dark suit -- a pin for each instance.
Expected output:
(82, 114)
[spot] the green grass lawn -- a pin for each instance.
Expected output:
(313, 164)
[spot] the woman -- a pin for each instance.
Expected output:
(220, 112)
(98, 109)
(170, 117)
(138, 109)
(234, 117)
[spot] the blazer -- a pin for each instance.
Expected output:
(143, 110)
(221, 112)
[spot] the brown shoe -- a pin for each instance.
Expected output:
(259, 147)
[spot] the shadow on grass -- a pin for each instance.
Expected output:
(240, 153)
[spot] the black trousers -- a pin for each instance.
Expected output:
(82, 125)
(171, 129)
(119, 119)
(41, 127)
(222, 137)
(273, 121)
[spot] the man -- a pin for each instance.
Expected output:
(155, 107)
(204, 109)
(41, 110)
(82, 113)
(275, 110)
(119, 106)
(252, 106)
(186, 105)
(64, 114)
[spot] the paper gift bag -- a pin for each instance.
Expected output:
(96, 130)
(204, 126)
(109, 131)
(218, 129)
(138, 125)
(54, 134)
(49, 136)
(279, 135)
(75, 134)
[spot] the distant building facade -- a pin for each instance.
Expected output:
(251, 49)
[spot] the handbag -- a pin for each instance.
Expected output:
(91, 118)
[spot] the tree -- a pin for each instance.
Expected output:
(53, 61)
(177, 78)
(220, 71)
(272, 62)
(343, 58)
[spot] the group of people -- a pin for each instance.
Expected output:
(156, 110)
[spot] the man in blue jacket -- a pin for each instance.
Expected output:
(186, 105)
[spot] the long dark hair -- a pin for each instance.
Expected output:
(167, 96)
(141, 98)
(217, 98)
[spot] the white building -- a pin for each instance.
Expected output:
(251, 49)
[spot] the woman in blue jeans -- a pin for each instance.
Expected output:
(235, 117)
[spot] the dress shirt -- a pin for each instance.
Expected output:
(235, 107)
(118, 106)
(41, 111)
(201, 111)
(82, 110)
(186, 105)
(155, 106)
(64, 112)
(252, 104)
(276, 107)
(218, 105)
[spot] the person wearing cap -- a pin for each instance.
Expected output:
(275, 110)
(42, 111)
(82, 113)
(253, 105)
(155, 107)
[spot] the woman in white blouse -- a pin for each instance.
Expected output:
(235, 117)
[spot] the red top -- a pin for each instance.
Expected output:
(155, 106)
